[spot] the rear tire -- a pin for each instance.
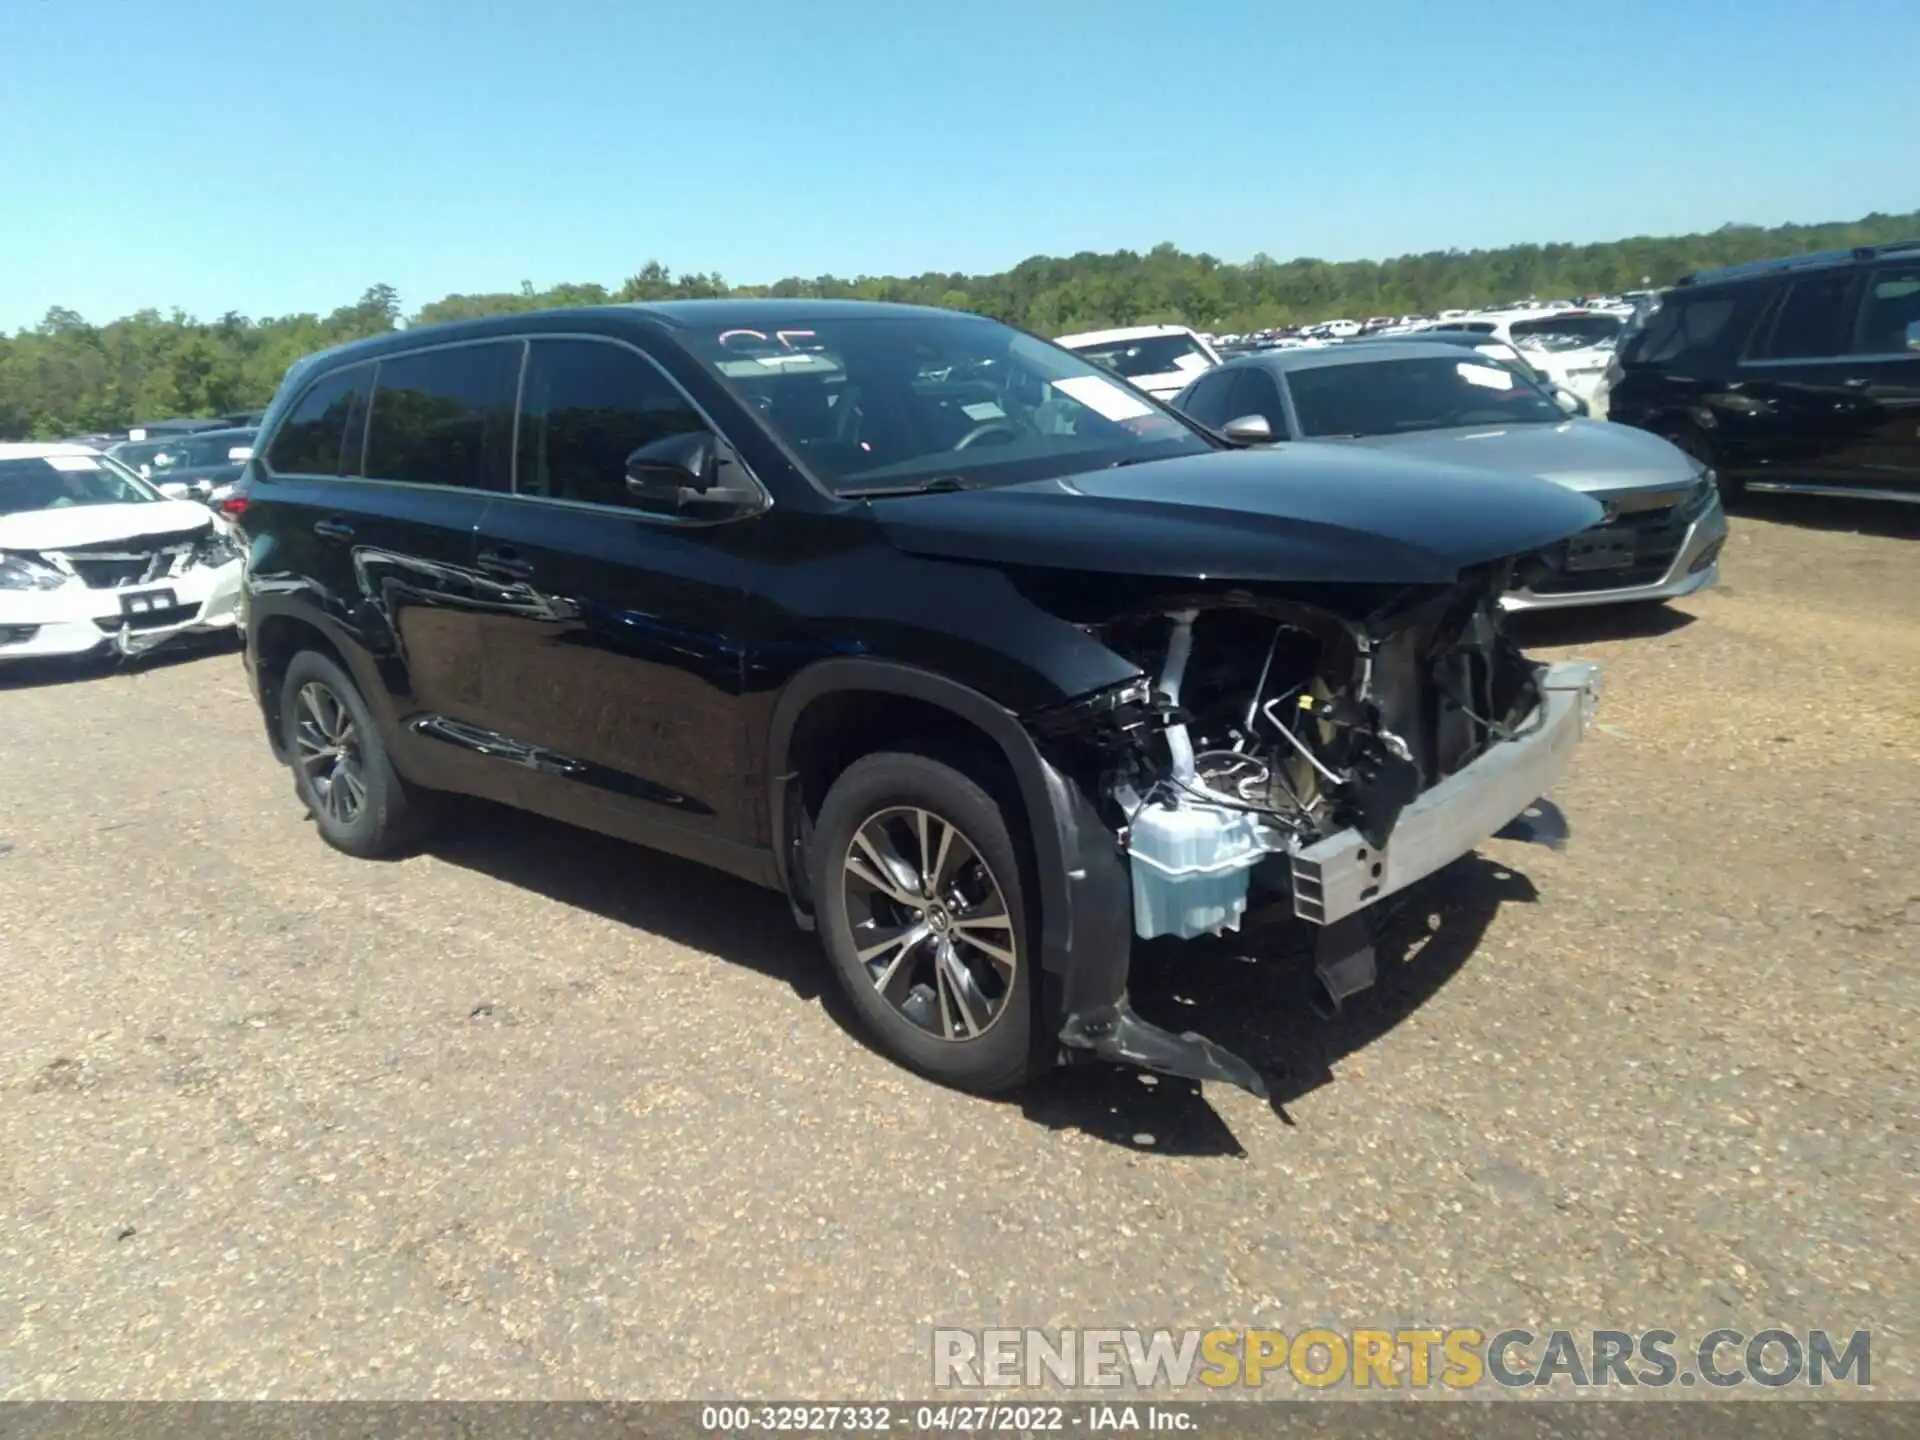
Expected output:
(341, 770)
(919, 897)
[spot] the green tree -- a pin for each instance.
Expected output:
(65, 375)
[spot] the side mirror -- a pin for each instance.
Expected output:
(1913, 335)
(1248, 430)
(174, 490)
(693, 473)
(1569, 402)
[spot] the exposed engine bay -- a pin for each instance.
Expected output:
(1263, 725)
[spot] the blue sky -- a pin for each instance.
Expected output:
(271, 157)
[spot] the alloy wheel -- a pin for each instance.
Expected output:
(327, 749)
(930, 923)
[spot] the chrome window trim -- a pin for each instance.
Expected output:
(525, 340)
(373, 364)
(1853, 359)
(419, 485)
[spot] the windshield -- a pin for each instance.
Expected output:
(1393, 397)
(1567, 332)
(1149, 355)
(56, 482)
(880, 402)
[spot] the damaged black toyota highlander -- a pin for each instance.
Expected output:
(989, 663)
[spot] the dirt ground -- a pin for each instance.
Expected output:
(536, 1114)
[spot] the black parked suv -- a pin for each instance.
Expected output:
(1786, 375)
(987, 662)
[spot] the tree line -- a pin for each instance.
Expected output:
(68, 376)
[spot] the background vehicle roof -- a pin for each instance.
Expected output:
(26, 450)
(1438, 335)
(222, 433)
(1124, 332)
(1369, 351)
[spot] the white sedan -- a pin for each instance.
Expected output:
(1570, 346)
(93, 558)
(1159, 359)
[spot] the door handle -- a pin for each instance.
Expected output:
(1856, 382)
(333, 528)
(505, 563)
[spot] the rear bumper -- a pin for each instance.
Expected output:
(76, 620)
(1342, 874)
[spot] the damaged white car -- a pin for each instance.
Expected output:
(93, 559)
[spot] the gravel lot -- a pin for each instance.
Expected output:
(537, 1114)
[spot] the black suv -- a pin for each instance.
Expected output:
(986, 661)
(1786, 375)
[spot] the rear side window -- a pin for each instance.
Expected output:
(445, 417)
(586, 407)
(1683, 325)
(1891, 303)
(322, 435)
(1814, 320)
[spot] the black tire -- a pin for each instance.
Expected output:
(1697, 443)
(386, 814)
(946, 1042)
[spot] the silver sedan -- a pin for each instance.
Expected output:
(1664, 528)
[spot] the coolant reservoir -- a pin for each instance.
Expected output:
(1190, 865)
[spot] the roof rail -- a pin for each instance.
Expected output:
(1812, 260)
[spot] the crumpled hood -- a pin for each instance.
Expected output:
(1298, 512)
(1586, 455)
(95, 524)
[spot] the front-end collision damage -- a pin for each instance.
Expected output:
(1330, 754)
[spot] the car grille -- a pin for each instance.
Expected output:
(150, 619)
(142, 561)
(1658, 535)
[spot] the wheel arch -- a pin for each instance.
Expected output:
(276, 637)
(1082, 884)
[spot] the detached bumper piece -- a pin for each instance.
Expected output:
(1343, 874)
(1122, 1037)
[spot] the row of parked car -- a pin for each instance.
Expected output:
(987, 660)
(1568, 349)
(1787, 375)
(1541, 319)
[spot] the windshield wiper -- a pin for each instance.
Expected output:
(939, 484)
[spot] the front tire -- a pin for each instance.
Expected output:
(341, 770)
(919, 899)
(1699, 445)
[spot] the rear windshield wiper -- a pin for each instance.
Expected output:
(937, 485)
